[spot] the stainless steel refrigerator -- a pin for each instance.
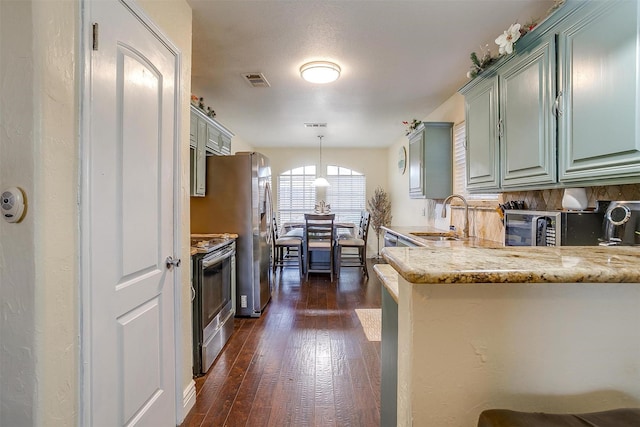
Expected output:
(238, 200)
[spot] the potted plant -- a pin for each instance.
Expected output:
(380, 209)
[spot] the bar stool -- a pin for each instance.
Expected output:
(623, 417)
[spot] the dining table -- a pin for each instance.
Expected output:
(297, 228)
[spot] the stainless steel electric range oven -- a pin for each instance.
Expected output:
(214, 288)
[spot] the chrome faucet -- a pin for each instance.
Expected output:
(465, 230)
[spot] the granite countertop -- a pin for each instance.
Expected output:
(468, 264)
(213, 235)
(389, 278)
(482, 261)
(194, 251)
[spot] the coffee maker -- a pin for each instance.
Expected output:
(621, 224)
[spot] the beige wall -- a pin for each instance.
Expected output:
(39, 257)
(239, 144)
(371, 162)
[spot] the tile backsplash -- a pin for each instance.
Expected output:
(484, 222)
(552, 199)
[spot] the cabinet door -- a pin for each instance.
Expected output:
(438, 160)
(482, 148)
(193, 131)
(213, 139)
(200, 173)
(416, 165)
(599, 77)
(225, 144)
(526, 124)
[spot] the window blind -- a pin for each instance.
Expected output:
(347, 193)
(296, 196)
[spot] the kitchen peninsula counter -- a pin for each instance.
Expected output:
(476, 260)
(539, 329)
(469, 264)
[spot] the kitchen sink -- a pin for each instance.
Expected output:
(434, 235)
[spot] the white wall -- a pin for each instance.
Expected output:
(38, 257)
(406, 211)
(39, 152)
(371, 162)
(536, 347)
(17, 241)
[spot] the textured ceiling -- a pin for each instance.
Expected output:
(400, 60)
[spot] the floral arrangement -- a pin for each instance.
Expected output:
(322, 207)
(411, 126)
(199, 102)
(506, 42)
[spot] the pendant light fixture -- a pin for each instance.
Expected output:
(320, 72)
(320, 181)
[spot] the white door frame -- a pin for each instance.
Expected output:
(84, 72)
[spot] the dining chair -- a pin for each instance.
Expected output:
(357, 258)
(287, 249)
(319, 237)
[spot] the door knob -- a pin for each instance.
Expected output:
(172, 262)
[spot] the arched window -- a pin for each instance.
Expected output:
(347, 193)
(296, 195)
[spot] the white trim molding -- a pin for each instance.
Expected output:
(188, 399)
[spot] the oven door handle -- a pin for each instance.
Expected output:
(210, 262)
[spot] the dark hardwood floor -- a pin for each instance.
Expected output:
(305, 362)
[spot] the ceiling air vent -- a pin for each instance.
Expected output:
(315, 125)
(256, 79)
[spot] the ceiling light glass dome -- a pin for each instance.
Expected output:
(320, 72)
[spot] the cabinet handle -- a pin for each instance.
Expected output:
(499, 127)
(556, 105)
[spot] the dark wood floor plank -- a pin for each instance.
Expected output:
(305, 362)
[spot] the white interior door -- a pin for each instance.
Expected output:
(129, 167)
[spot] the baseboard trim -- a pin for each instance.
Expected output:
(188, 398)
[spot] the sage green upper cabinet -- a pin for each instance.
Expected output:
(207, 137)
(225, 144)
(599, 123)
(213, 139)
(482, 142)
(526, 123)
(430, 160)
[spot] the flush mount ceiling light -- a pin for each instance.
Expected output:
(320, 72)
